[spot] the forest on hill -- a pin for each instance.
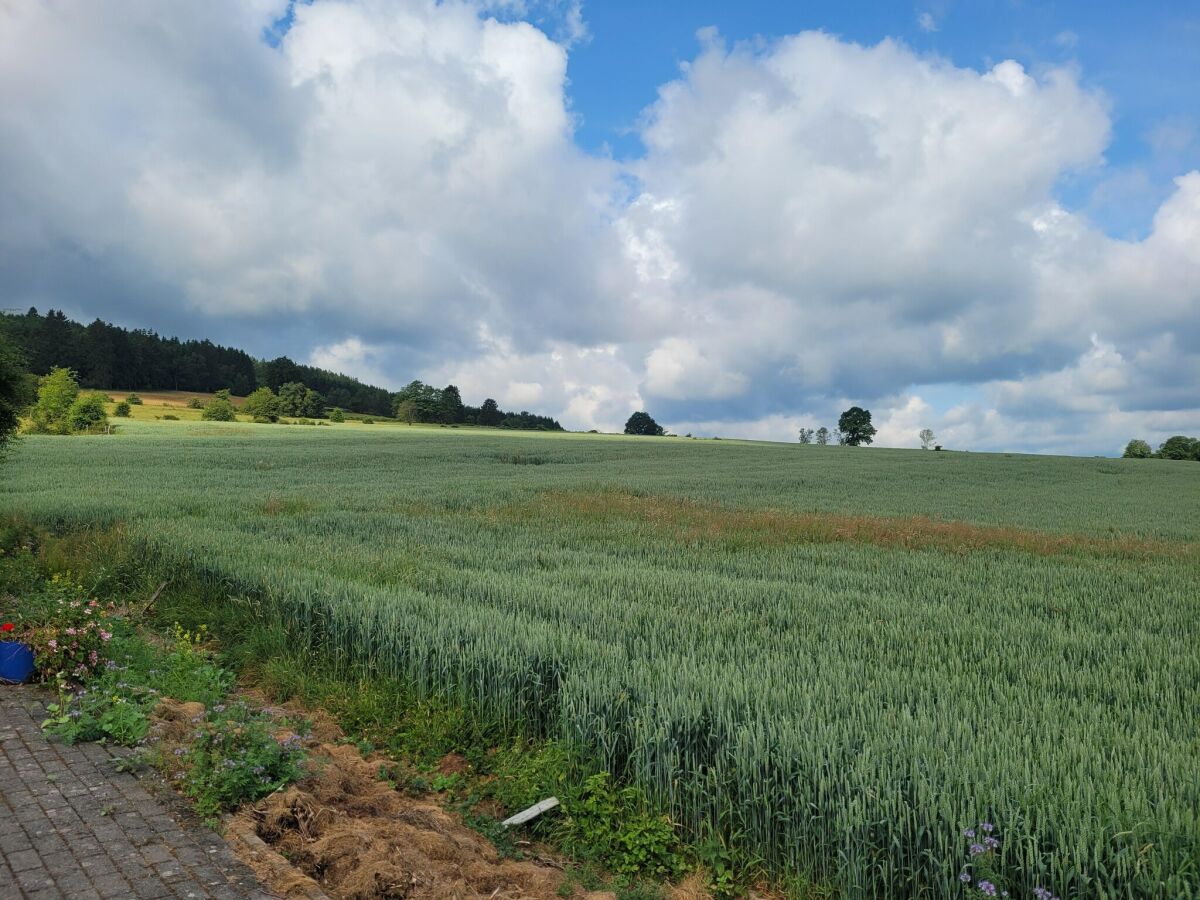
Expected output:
(107, 356)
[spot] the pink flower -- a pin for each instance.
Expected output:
(52, 644)
(105, 636)
(93, 656)
(71, 631)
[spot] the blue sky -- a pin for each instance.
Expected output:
(987, 225)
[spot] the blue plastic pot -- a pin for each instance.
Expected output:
(16, 662)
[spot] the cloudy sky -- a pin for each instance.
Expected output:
(979, 217)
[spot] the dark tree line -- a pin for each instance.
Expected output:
(1178, 447)
(107, 356)
(340, 391)
(420, 402)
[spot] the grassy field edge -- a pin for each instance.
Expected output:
(382, 714)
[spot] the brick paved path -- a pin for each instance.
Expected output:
(72, 826)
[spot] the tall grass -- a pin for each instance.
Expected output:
(717, 622)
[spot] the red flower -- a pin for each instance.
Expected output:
(7, 626)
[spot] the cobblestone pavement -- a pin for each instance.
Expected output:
(72, 826)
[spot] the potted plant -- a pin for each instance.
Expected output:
(16, 657)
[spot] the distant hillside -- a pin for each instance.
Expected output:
(110, 357)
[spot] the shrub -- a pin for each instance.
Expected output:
(336, 415)
(195, 403)
(69, 631)
(87, 414)
(368, 421)
(219, 409)
(170, 417)
(122, 411)
(133, 400)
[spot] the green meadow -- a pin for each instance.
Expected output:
(835, 658)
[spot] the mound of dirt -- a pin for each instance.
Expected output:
(172, 723)
(360, 839)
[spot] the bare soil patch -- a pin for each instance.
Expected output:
(361, 839)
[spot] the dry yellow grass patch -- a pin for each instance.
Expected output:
(690, 521)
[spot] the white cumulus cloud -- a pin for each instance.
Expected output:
(395, 191)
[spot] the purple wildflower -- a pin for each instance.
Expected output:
(987, 888)
(969, 833)
(991, 843)
(987, 827)
(964, 877)
(976, 849)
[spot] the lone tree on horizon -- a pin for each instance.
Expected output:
(926, 437)
(1137, 449)
(641, 423)
(855, 426)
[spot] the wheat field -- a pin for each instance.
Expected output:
(838, 658)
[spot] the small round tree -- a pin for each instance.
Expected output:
(336, 415)
(219, 409)
(56, 392)
(262, 404)
(855, 426)
(641, 423)
(122, 410)
(87, 414)
(1136, 449)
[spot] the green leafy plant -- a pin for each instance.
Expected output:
(442, 782)
(721, 866)
(109, 708)
(190, 672)
(234, 758)
(612, 825)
